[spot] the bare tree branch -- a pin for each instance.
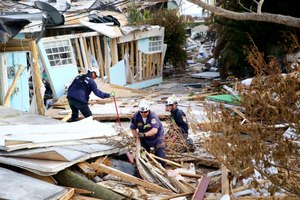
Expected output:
(263, 17)
(239, 2)
(259, 6)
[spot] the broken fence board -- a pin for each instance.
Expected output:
(201, 188)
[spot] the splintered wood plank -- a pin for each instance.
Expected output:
(142, 191)
(81, 197)
(176, 195)
(225, 180)
(67, 117)
(79, 190)
(167, 161)
(143, 171)
(129, 178)
(156, 174)
(68, 195)
(87, 169)
(190, 175)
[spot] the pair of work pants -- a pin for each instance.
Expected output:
(77, 106)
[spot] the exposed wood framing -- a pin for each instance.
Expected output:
(137, 61)
(114, 51)
(92, 47)
(100, 58)
(107, 64)
(87, 53)
(132, 58)
(36, 79)
(122, 50)
(79, 57)
(86, 169)
(68, 195)
(84, 56)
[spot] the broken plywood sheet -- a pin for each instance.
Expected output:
(109, 31)
(206, 75)
(25, 135)
(10, 116)
(50, 167)
(18, 186)
(128, 106)
(50, 153)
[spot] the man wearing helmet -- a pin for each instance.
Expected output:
(177, 115)
(147, 126)
(79, 93)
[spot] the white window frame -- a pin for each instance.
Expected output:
(155, 44)
(59, 53)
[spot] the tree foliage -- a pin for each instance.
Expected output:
(175, 36)
(259, 144)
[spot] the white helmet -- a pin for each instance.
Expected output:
(94, 69)
(171, 100)
(144, 106)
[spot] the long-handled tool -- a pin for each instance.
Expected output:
(113, 94)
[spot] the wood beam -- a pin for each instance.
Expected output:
(36, 79)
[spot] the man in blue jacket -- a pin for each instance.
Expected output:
(178, 117)
(147, 126)
(79, 93)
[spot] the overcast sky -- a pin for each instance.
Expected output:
(190, 9)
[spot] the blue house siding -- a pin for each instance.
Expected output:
(60, 76)
(19, 99)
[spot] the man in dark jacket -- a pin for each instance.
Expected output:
(147, 126)
(178, 117)
(79, 93)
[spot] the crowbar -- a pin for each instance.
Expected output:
(114, 96)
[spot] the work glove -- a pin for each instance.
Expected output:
(113, 94)
(140, 135)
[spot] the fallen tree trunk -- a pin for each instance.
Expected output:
(71, 179)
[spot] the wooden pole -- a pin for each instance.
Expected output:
(79, 55)
(132, 58)
(107, 65)
(87, 53)
(36, 79)
(100, 58)
(12, 87)
(72, 179)
(137, 61)
(114, 51)
(92, 47)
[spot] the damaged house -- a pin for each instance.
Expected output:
(51, 44)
